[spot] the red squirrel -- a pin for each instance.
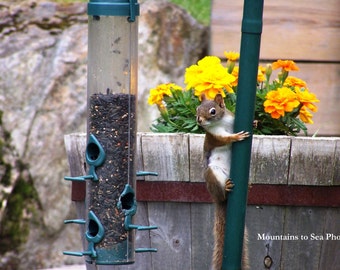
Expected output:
(217, 121)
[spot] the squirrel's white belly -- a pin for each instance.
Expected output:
(219, 163)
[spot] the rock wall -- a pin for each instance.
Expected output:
(43, 58)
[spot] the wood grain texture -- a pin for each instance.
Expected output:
(196, 157)
(305, 252)
(270, 159)
(336, 177)
(75, 145)
(330, 249)
(312, 161)
(173, 236)
(263, 221)
(166, 154)
(300, 30)
(184, 237)
(202, 241)
(139, 158)
(323, 79)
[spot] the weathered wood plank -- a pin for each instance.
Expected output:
(309, 32)
(196, 157)
(330, 251)
(270, 159)
(320, 77)
(166, 154)
(312, 161)
(263, 222)
(202, 239)
(139, 158)
(173, 236)
(142, 239)
(299, 36)
(75, 145)
(302, 222)
(336, 178)
(184, 241)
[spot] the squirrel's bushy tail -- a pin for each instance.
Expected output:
(219, 235)
(219, 227)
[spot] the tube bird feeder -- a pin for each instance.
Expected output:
(111, 92)
(111, 133)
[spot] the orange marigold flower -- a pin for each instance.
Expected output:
(209, 76)
(305, 115)
(157, 94)
(280, 101)
(306, 98)
(232, 56)
(293, 81)
(287, 65)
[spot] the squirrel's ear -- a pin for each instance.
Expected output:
(203, 98)
(219, 100)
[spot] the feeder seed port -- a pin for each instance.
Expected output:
(95, 157)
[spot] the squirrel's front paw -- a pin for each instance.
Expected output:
(228, 185)
(242, 135)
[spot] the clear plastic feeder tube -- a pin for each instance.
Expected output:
(111, 92)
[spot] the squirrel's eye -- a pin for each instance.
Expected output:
(212, 111)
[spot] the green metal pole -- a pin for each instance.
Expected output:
(241, 151)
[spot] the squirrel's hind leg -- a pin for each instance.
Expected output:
(217, 183)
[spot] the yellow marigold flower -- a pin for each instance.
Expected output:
(157, 94)
(232, 56)
(305, 115)
(287, 65)
(262, 69)
(293, 81)
(306, 98)
(208, 77)
(261, 74)
(235, 74)
(280, 101)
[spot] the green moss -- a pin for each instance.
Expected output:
(6, 177)
(6, 168)
(20, 203)
(20, 207)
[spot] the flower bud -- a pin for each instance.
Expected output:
(269, 70)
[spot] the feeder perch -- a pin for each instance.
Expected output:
(95, 157)
(111, 134)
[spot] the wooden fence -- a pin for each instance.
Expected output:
(293, 204)
(307, 31)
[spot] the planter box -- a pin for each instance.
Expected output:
(295, 193)
(275, 159)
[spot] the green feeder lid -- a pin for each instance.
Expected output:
(114, 8)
